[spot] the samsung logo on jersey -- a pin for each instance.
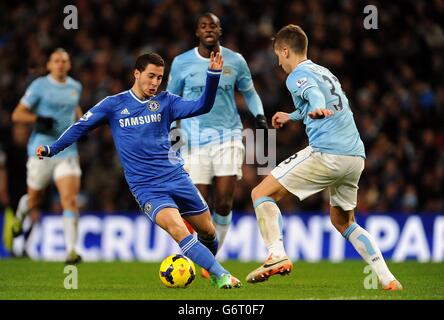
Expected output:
(137, 121)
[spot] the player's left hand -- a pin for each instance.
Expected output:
(261, 122)
(320, 113)
(42, 151)
(216, 61)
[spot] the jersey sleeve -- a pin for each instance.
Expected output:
(299, 82)
(244, 82)
(181, 108)
(175, 81)
(32, 95)
(315, 98)
(80, 89)
(90, 120)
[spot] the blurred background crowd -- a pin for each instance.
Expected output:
(393, 77)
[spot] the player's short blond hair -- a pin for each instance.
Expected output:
(58, 50)
(293, 37)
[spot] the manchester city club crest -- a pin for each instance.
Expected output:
(148, 207)
(226, 71)
(153, 106)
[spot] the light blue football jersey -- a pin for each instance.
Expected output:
(49, 98)
(336, 134)
(187, 79)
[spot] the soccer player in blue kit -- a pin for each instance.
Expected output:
(214, 153)
(140, 120)
(51, 103)
(334, 159)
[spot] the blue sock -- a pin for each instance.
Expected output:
(212, 244)
(197, 252)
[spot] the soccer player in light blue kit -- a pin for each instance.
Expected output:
(214, 152)
(334, 159)
(52, 104)
(140, 121)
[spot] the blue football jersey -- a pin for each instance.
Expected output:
(187, 79)
(47, 97)
(336, 134)
(140, 131)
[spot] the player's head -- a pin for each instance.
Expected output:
(148, 73)
(208, 29)
(59, 63)
(290, 43)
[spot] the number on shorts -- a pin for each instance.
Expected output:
(287, 161)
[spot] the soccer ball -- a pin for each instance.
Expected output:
(177, 271)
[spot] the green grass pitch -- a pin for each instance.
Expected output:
(25, 279)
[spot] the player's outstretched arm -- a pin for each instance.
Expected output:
(281, 118)
(181, 108)
(71, 135)
(245, 84)
(87, 122)
(317, 103)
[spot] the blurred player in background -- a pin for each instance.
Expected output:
(140, 121)
(13, 157)
(4, 192)
(214, 151)
(334, 159)
(51, 103)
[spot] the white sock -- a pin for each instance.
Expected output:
(27, 223)
(222, 224)
(269, 220)
(369, 251)
(70, 224)
(22, 208)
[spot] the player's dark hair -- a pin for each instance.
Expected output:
(292, 36)
(148, 58)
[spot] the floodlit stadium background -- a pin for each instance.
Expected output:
(392, 76)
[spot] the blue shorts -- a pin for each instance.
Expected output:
(179, 193)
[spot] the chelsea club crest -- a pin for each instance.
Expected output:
(153, 105)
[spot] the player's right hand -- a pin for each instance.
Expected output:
(216, 61)
(42, 151)
(279, 119)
